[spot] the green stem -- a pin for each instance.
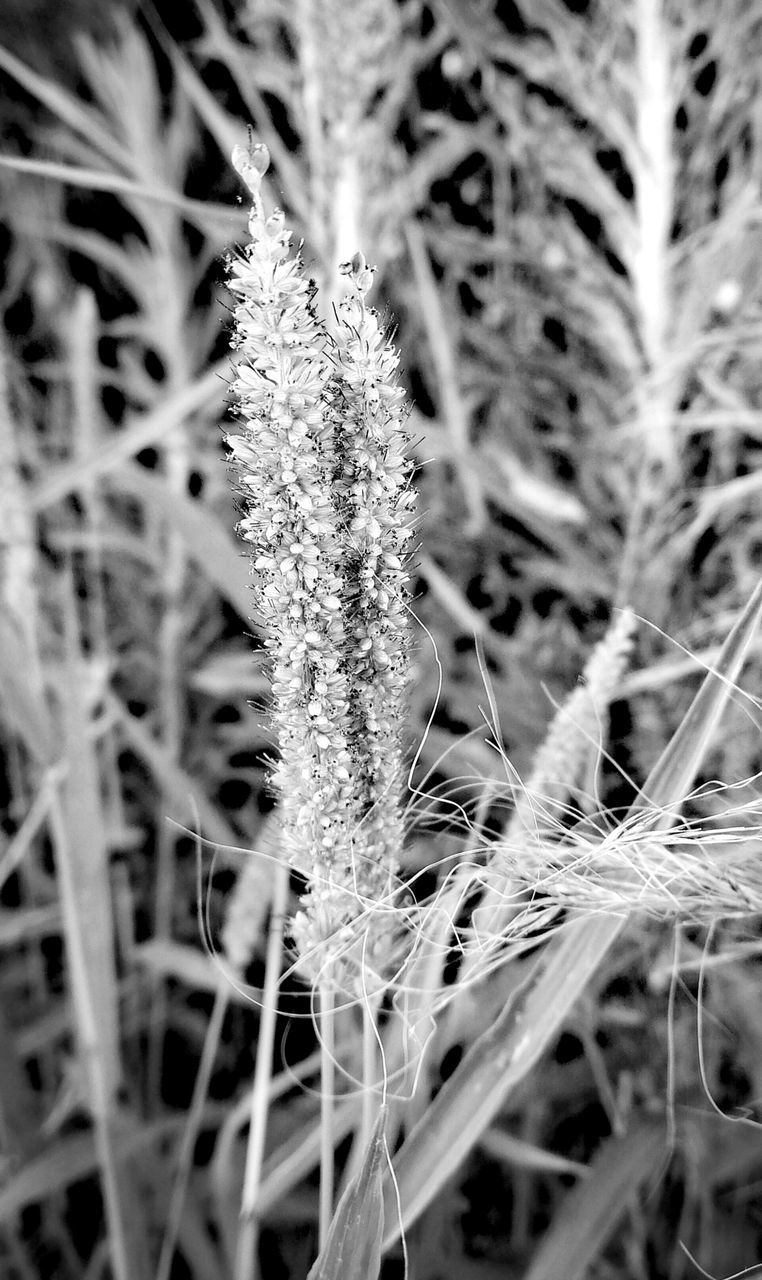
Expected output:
(246, 1266)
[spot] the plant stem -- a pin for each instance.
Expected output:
(246, 1267)
(185, 1156)
(327, 1086)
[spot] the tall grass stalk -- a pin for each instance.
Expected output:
(326, 1024)
(246, 1265)
(178, 1198)
(323, 476)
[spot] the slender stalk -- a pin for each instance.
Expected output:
(324, 480)
(307, 23)
(654, 202)
(369, 1072)
(91, 1047)
(185, 1156)
(246, 1267)
(327, 1089)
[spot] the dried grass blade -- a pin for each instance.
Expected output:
(81, 852)
(69, 1160)
(197, 970)
(495, 1063)
(184, 791)
(83, 880)
(223, 127)
(149, 429)
(22, 925)
(593, 1208)
(260, 1094)
(21, 701)
(502, 1145)
(206, 542)
(442, 348)
(177, 1210)
(221, 217)
(296, 1158)
(19, 1104)
(63, 105)
(353, 1248)
(672, 776)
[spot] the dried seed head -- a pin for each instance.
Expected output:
(574, 730)
(327, 519)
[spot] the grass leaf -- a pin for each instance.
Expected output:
(22, 702)
(61, 104)
(672, 776)
(495, 1063)
(143, 431)
(594, 1207)
(206, 542)
(82, 865)
(353, 1248)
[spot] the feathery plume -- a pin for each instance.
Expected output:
(558, 765)
(324, 481)
(576, 726)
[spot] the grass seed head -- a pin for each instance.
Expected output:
(322, 471)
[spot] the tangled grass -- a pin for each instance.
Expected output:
(363, 958)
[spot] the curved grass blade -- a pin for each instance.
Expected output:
(592, 1210)
(672, 776)
(353, 1248)
(496, 1062)
(206, 542)
(22, 703)
(141, 432)
(202, 213)
(69, 110)
(503, 1054)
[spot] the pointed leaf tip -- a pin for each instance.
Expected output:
(353, 1248)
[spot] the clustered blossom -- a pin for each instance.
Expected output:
(374, 497)
(576, 725)
(557, 767)
(324, 482)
